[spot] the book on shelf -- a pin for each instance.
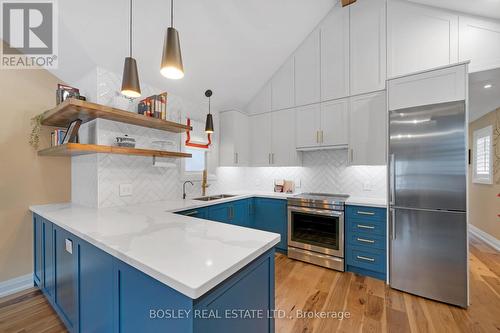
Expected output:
(57, 137)
(154, 106)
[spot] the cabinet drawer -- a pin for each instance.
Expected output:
(370, 241)
(367, 226)
(374, 260)
(368, 213)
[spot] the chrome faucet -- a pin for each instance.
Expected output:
(184, 188)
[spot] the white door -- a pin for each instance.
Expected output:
(335, 54)
(261, 102)
(307, 71)
(307, 126)
(367, 46)
(335, 123)
(227, 144)
(283, 139)
(479, 43)
(260, 139)
(419, 38)
(282, 87)
(367, 129)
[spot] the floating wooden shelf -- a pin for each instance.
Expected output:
(74, 149)
(63, 114)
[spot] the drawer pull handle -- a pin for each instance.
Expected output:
(371, 241)
(360, 212)
(365, 258)
(362, 226)
(194, 212)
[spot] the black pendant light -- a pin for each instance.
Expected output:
(130, 80)
(209, 124)
(171, 60)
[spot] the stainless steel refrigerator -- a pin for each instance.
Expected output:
(427, 180)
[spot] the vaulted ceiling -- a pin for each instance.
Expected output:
(229, 46)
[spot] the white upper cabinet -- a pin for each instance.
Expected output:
(260, 143)
(261, 102)
(479, 43)
(283, 152)
(367, 130)
(438, 86)
(367, 46)
(419, 38)
(282, 87)
(335, 54)
(234, 139)
(307, 126)
(334, 123)
(307, 70)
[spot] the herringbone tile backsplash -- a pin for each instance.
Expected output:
(96, 178)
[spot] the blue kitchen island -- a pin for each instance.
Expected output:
(144, 269)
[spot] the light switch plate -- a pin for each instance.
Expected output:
(125, 190)
(69, 246)
(297, 182)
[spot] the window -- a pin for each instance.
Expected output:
(197, 162)
(482, 149)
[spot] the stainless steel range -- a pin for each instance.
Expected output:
(316, 229)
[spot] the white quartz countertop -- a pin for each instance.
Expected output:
(367, 201)
(188, 254)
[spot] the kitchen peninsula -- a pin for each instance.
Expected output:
(152, 270)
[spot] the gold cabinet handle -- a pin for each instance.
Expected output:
(365, 258)
(363, 226)
(371, 241)
(360, 212)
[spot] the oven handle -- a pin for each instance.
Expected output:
(323, 212)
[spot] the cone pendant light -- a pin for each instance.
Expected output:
(171, 60)
(130, 80)
(209, 124)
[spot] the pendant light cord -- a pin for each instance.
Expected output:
(171, 13)
(209, 105)
(130, 28)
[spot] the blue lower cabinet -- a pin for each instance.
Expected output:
(95, 292)
(143, 303)
(242, 212)
(66, 277)
(250, 289)
(48, 259)
(220, 213)
(96, 281)
(201, 213)
(37, 249)
(271, 215)
(366, 241)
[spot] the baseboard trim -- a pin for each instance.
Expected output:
(16, 284)
(485, 237)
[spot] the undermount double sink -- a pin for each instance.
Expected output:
(215, 197)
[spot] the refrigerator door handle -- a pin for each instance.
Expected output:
(393, 223)
(392, 181)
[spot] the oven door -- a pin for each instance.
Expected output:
(317, 230)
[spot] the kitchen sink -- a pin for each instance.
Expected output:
(214, 197)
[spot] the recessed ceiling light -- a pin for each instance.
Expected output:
(487, 86)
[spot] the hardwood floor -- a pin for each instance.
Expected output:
(371, 305)
(374, 307)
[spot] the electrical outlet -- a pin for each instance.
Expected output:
(125, 190)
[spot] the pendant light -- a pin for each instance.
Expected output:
(209, 124)
(130, 80)
(171, 60)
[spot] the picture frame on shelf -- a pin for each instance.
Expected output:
(72, 131)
